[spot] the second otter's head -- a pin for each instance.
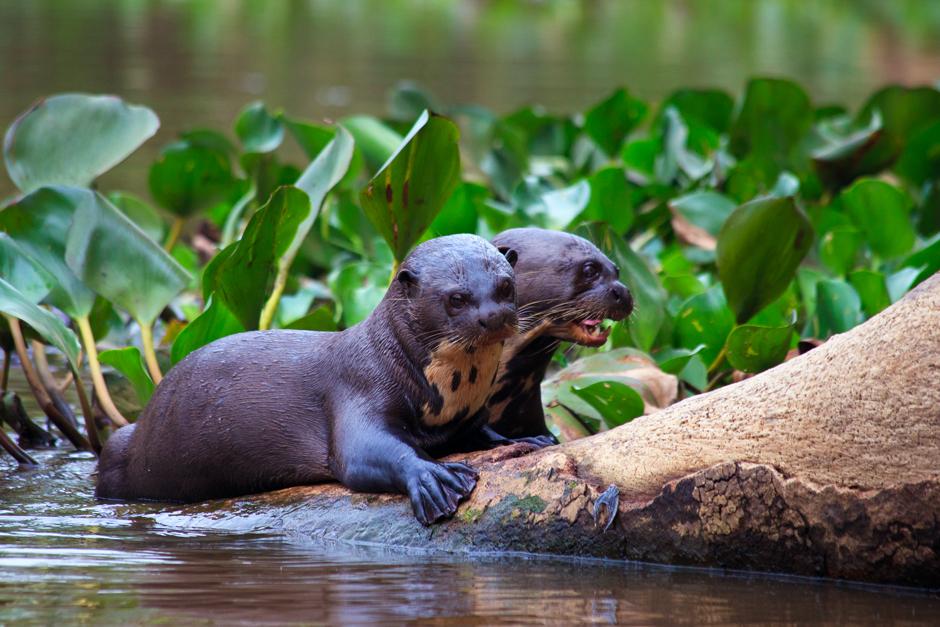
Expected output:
(459, 289)
(566, 287)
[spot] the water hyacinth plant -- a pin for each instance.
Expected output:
(745, 228)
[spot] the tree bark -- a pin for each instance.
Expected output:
(828, 465)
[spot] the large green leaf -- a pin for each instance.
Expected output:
(838, 307)
(572, 388)
(14, 303)
(648, 294)
(358, 287)
(215, 322)
(882, 212)
(710, 107)
(707, 210)
(776, 114)
(128, 362)
(754, 348)
(759, 248)
(903, 110)
(872, 288)
(407, 193)
(839, 247)
(21, 272)
(610, 120)
(258, 130)
(920, 161)
(40, 224)
(112, 256)
(611, 200)
(140, 213)
(71, 139)
(188, 177)
(241, 275)
(461, 211)
(616, 402)
(377, 141)
(705, 320)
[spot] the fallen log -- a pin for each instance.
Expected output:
(827, 465)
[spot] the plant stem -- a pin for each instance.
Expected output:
(101, 389)
(39, 391)
(5, 373)
(88, 414)
(718, 360)
(150, 355)
(49, 381)
(13, 449)
(175, 229)
(270, 306)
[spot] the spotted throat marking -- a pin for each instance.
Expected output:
(461, 378)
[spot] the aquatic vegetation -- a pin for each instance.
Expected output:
(746, 229)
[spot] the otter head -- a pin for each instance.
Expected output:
(459, 289)
(566, 287)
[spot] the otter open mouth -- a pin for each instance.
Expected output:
(588, 332)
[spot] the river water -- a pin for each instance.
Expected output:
(66, 559)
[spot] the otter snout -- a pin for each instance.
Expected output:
(620, 301)
(498, 320)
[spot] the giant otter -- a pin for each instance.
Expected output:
(565, 288)
(264, 410)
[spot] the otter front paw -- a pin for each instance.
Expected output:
(436, 489)
(541, 441)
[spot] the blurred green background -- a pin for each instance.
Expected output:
(197, 63)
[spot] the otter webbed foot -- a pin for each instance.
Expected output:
(540, 441)
(436, 489)
(488, 438)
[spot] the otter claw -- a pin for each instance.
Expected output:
(437, 489)
(541, 441)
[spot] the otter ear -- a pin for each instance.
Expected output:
(409, 281)
(511, 255)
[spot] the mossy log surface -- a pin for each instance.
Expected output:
(827, 465)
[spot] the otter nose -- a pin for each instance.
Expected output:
(496, 318)
(621, 297)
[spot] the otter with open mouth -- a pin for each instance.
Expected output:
(565, 290)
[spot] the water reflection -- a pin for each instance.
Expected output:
(67, 559)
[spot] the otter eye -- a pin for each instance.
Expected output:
(505, 289)
(590, 270)
(457, 301)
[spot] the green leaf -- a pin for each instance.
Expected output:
(872, 288)
(128, 362)
(72, 139)
(617, 403)
(409, 191)
(705, 209)
(112, 256)
(40, 224)
(920, 160)
(710, 107)
(407, 100)
(842, 147)
(904, 111)
(838, 307)
(358, 287)
(759, 248)
(753, 348)
(648, 294)
(14, 303)
(242, 274)
(705, 319)
(839, 247)
(609, 121)
(562, 206)
(323, 174)
(320, 319)
(140, 213)
(377, 141)
(927, 259)
(611, 200)
(258, 130)
(674, 360)
(775, 116)
(461, 212)
(188, 178)
(882, 212)
(215, 322)
(19, 270)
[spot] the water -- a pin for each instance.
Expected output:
(66, 559)
(198, 63)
